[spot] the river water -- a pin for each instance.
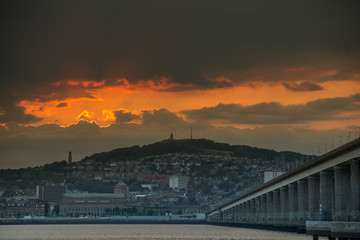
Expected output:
(140, 232)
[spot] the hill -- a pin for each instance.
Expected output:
(192, 146)
(218, 169)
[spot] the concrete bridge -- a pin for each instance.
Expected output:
(321, 196)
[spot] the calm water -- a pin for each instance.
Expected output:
(139, 232)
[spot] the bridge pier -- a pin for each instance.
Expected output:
(342, 183)
(326, 194)
(257, 210)
(233, 214)
(355, 189)
(314, 197)
(245, 212)
(238, 213)
(252, 210)
(284, 207)
(269, 208)
(276, 206)
(227, 215)
(248, 211)
(263, 209)
(241, 212)
(293, 203)
(303, 201)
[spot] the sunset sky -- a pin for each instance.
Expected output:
(90, 76)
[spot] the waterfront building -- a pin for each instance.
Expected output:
(166, 209)
(20, 207)
(92, 204)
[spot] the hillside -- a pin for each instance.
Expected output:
(192, 146)
(218, 169)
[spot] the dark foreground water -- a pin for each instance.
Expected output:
(139, 232)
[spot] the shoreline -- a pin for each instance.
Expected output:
(30, 221)
(64, 221)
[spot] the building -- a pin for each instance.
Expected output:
(178, 182)
(269, 175)
(20, 207)
(121, 188)
(190, 190)
(50, 193)
(92, 204)
(155, 178)
(165, 209)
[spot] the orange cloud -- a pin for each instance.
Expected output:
(85, 115)
(108, 115)
(150, 94)
(38, 108)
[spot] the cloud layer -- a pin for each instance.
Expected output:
(279, 130)
(188, 43)
(275, 113)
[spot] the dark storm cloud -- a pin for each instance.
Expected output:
(82, 129)
(17, 114)
(124, 117)
(161, 117)
(188, 42)
(303, 86)
(61, 105)
(275, 113)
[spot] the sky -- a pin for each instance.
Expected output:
(91, 76)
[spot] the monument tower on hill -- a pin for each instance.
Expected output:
(69, 158)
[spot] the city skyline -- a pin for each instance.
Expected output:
(91, 76)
